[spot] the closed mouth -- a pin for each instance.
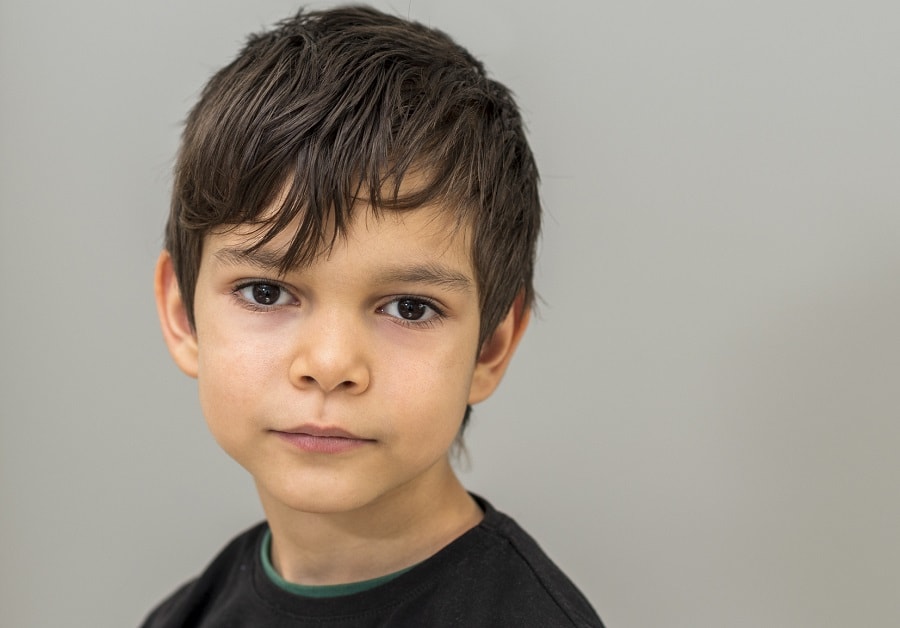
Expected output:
(322, 431)
(319, 440)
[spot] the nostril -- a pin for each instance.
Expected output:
(349, 379)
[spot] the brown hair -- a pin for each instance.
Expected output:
(341, 104)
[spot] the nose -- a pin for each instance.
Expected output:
(330, 355)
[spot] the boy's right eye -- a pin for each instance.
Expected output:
(264, 294)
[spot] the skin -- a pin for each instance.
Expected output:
(329, 348)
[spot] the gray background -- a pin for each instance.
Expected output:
(702, 428)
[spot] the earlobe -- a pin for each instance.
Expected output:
(176, 329)
(498, 350)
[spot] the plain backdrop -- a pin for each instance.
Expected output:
(702, 425)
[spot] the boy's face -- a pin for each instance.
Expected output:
(344, 382)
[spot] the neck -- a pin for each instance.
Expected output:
(392, 532)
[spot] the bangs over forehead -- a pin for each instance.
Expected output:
(281, 249)
(293, 233)
(332, 108)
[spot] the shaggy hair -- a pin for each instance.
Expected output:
(332, 107)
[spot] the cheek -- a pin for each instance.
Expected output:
(226, 382)
(429, 393)
(233, 353)
(230, 370)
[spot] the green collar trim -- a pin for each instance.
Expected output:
(318, 591)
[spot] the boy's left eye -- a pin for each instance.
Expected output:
(410, 309)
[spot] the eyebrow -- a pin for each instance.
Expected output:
(429, 273)
(260, 258)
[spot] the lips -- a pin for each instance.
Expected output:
(322, 431)
(322, 439)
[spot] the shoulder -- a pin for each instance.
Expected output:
(519, 580)
(193, 600)
(493, 575)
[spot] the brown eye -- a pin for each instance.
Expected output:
(266, 293)
(411, 309)
(263, 294)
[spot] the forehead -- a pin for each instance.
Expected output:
(302, 225)
(430, 233)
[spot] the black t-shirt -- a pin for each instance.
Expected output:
(493, 575)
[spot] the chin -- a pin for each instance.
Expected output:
(323, 500)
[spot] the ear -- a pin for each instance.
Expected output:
(498, 350)
(177, 331)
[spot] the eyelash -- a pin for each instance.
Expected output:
(435, 319)
(252, 305)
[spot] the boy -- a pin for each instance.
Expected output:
(347, 269)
